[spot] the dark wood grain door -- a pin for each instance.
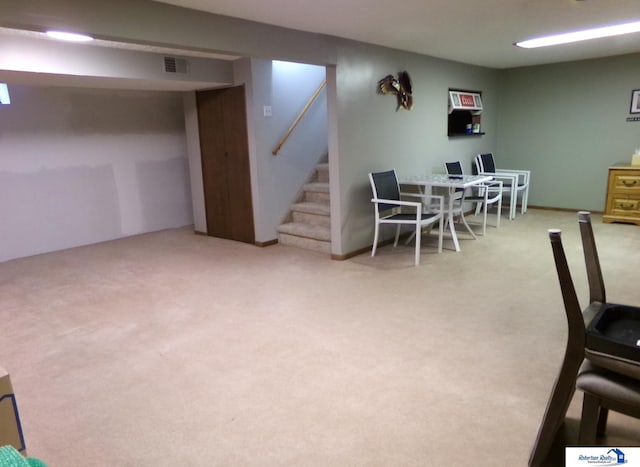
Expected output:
(222, 122)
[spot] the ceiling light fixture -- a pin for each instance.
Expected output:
(69, 36)
(583, 35)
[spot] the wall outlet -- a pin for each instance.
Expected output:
(267, 111)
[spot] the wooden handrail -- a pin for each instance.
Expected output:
(298, 118)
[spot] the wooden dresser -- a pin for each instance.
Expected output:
(623, 194)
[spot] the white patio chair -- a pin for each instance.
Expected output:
(486, 194)
(513, 181)
(388, 210)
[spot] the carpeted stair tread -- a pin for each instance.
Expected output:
(321, 209)
(306, 231)
(319, 187)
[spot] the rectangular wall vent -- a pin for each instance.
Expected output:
(175, 65)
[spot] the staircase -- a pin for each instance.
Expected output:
(309, 221)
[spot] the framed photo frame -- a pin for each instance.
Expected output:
(635, 102)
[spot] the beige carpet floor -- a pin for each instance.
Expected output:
(173, 349)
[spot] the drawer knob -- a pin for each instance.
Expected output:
(630, 182)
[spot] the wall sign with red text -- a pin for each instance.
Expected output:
(464, 100)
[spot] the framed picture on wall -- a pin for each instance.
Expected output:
(635, 102)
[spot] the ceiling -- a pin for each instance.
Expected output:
(469, 31)
(69, 80)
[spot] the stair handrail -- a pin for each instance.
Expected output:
(299, 117)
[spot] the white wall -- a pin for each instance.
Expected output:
(79, 166)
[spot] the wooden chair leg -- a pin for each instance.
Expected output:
(589, 421)
(602, 421)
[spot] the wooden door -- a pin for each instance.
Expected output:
(222, 122)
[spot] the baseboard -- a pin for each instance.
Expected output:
(350, 255)
(366, 249)
(267, 243)
(546, 208)
(390, 241)
(406, 234)
(260, 244)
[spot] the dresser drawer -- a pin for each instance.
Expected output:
(623, 205)
(624, 181)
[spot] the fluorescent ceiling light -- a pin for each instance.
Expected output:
(69, 36)
(584, 35)
(4, 94)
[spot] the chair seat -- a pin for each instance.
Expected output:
(474, 198)
(604, 390)
(408, 217)
(621, 365)
(609, 385)
(520, 186)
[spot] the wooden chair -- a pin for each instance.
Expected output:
(612, 360)
(388, 210)
(607, 380)
(604, 390)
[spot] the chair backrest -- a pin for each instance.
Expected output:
(453, 168)
(594, 273)
(488, 164)
(385, 186)
(476, 167)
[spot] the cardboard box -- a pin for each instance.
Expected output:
(10, 428)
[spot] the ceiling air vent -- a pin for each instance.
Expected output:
(175, 65)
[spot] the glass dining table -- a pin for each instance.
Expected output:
(453, 184)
